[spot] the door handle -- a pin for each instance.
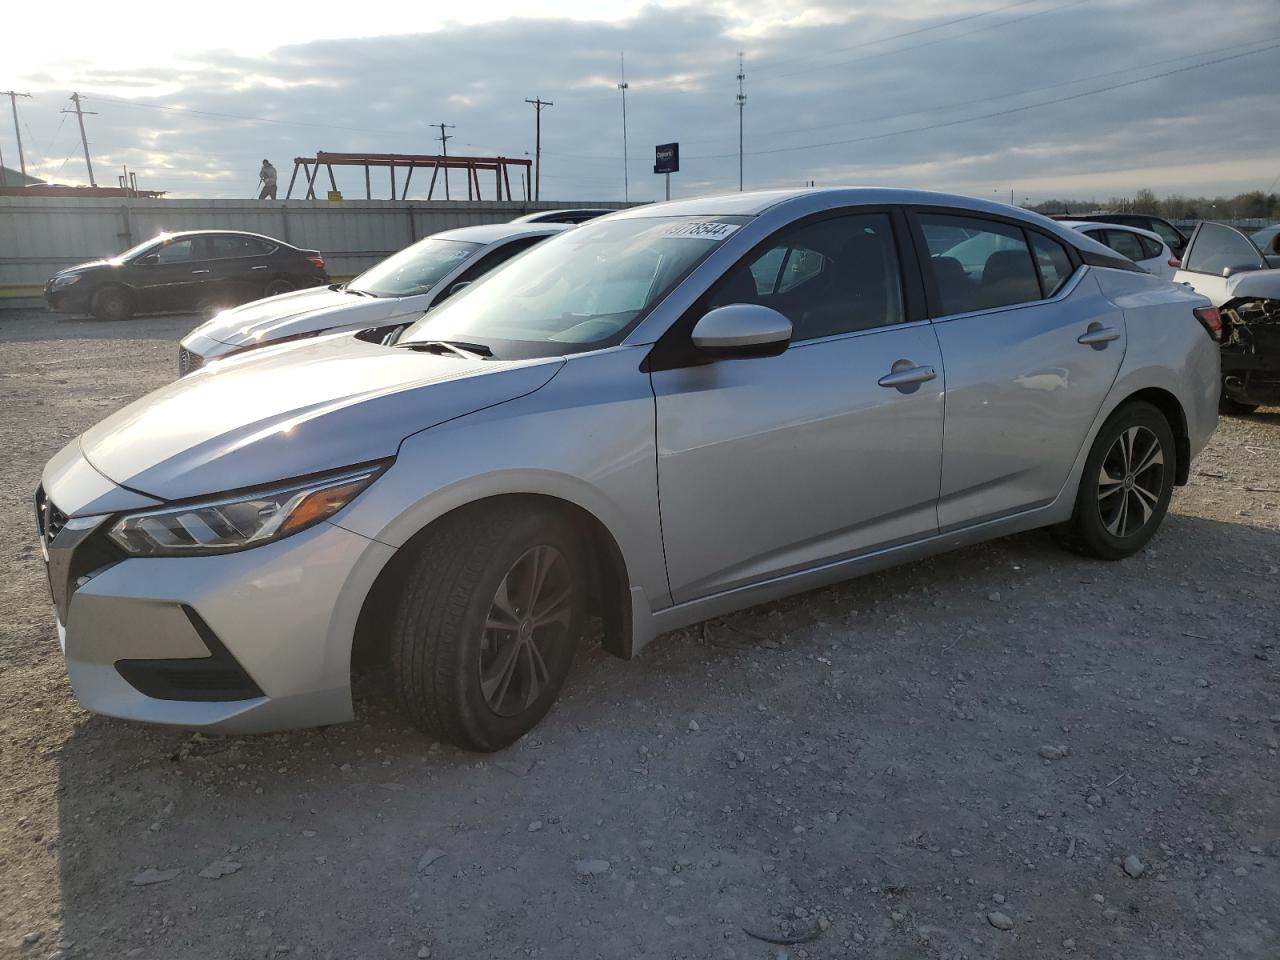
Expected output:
(259, 267)
(906, 374)
(1097, 335)
(194, 272)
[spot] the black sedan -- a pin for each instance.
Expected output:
(195, 269)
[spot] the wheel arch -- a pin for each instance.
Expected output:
(609, 586)
(1176, 416)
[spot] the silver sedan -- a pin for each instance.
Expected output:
(658, 417)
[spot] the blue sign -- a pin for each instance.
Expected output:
(666, 158)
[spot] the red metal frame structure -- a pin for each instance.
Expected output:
(474, 166)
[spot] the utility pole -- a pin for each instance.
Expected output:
(742, 99)
(13, 102)
(444, 151)
(80, 115)
(538, 104)
(626, 188)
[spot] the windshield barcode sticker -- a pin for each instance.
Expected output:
(702, 230)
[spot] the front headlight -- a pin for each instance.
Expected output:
(60, 282)
(236, 523)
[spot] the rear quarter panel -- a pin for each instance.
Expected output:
(1168, 348)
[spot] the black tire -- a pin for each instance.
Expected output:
(278, 286)
(1102, 525)
(1234, 407)
(449, 639)
(112, 304)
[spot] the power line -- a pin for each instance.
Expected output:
(998, 113)
(538, 104)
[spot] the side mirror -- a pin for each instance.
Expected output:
(1240, 268)
(741, 330)
(460, 285)
(150, 260)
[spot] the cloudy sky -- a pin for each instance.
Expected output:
(1045, 98)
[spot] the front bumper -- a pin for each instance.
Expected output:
(68, 299)
(160, 640)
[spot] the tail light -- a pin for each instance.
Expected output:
(316, 260)
(1211, 320)
(1175, 263)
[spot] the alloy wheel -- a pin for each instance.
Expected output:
(1130, 481)
(526, 630)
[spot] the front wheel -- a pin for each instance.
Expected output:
(1126, 485)
(112, 304)
(488, 625)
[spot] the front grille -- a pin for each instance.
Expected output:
(188, 361)
(49, 519)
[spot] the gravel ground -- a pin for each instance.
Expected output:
(970, 756)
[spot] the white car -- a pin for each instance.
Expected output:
(394, 292)
(1143, 247)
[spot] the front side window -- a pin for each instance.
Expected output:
(1217, 247)
(179, 251)
(414, 269)
(581, 289)
(992, 267)
(830, 277)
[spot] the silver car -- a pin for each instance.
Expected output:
(661, 416)
(393, 292)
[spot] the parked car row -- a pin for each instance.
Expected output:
(653, 418)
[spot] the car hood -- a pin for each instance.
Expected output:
(292, 410)
(298, 312)
(87, 266)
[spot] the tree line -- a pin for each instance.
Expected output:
(1254, 205)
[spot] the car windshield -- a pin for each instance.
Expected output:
(414, 269)
(582, 289)
(141, 248)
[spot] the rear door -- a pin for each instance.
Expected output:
(1031, 348)
(774, 465)
(240, 268)
(1214, 249)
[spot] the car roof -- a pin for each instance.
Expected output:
(548, 216)
(1127, 228)
(817, 199)
(493, 232)
(215, 233)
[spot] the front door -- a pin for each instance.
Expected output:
(1214, 249)
(170, 277)
(774, 465)
(1031, 350)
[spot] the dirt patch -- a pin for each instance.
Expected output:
(955, 758)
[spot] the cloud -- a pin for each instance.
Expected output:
(948, 103)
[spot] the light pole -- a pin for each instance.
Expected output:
(622, 85)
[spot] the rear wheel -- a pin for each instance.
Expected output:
(1126, 485)
(111, 304)
(488, 625)
(278, 286)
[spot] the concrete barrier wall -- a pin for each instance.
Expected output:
(39, 236)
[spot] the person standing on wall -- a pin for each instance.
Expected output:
(268, 177)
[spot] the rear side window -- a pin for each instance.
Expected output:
(1124, 243)
(226, 246)
(1150, 248)
(1053, 261)
(990, 267)
(1166, 233)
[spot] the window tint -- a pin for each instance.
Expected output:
(1150, 247)
(1124, 243)
(830, 277)
(496, 258)
(1053, 261)
(992, 268)
(177, 252)
(1166, 233)
(1217, 247)
(225, 246)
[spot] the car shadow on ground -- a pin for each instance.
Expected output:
(863, 759)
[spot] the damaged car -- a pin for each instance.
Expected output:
(1226, 266)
